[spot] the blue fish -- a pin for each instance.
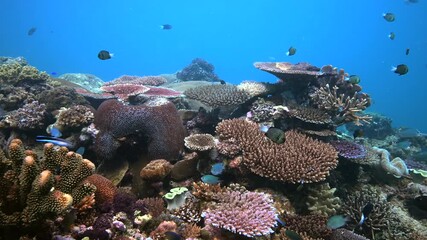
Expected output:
(56, 141)
(81, 150)
(217, 168)
(210, 179)
(54, 132)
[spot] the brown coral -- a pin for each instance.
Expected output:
(299, 159)
(105, 189)
(200, 142)
(217, 95)
(74, 117)
(312, 225)
(156, 170)
(287, 71)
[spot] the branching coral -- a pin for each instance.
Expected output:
(312, 225)
(344, 108)
(299, 159)
(249, 214)
(199, 70)
(217, 95)
(321, 200)
(32, 193)
(77, 116)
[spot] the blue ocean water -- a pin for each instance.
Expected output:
(232, 35)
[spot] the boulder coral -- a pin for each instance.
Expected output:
(157, 122)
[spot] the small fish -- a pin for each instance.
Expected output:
(81, 150)
(411, 1)
(405, 144)
(354, 79)
(291, 51)
(337, 221)
(166, 27)
(104, 55)
(54, 132)
(328, 69)
(400, 69)
(53, 73)
(280, 221)
(367, 209)
(56, 141)
(222, 81)
(276, 135)
(299, 188)
(293, 235)
(358, 133)
(392, 35)
(389, 17)
(210, 179)
(169, 235)
(407, 51)
(31, 31)
(264, 128)
(217, 168)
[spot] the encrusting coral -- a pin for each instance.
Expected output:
(32, 190)
(300, 159)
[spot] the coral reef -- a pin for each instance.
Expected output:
(75, 117)
(31, 116)
(14, 72)
(349, 150)
(249, 214)
(200, 142)
(217, 95)
(157, 119)
(312, 225)
(137, 80)
(89, 82)
(299, 159)
(59, 97)
(198, 70)
(156, 170)
(30, 193)
(321, 200)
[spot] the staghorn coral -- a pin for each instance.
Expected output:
(199, 70)
(199, 142)
(299, 159)
(157, 120)
(349, 150)
(156, 170)
(138, 80)
(228, 148)
(321, 200)
(344, 108)
(31, 116)
(249, 214)
(190, 231)
(205, 191)
(217, 95)
(312, 225)
(189, 211)
(77, 116)
(33, 194)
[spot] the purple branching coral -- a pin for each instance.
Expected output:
(200, 70)
(249, 213)
(349, 150)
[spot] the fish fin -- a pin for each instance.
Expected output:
(393, 68)
(287, 53)
(111, 54)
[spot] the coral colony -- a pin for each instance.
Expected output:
(181, 156)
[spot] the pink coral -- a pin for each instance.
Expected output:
(145, 80)
(125, 90)
(249, 213)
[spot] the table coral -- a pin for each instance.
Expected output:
(217, 95)
(200, 142)
(157, 119)
(299, 159)
(144, 80)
